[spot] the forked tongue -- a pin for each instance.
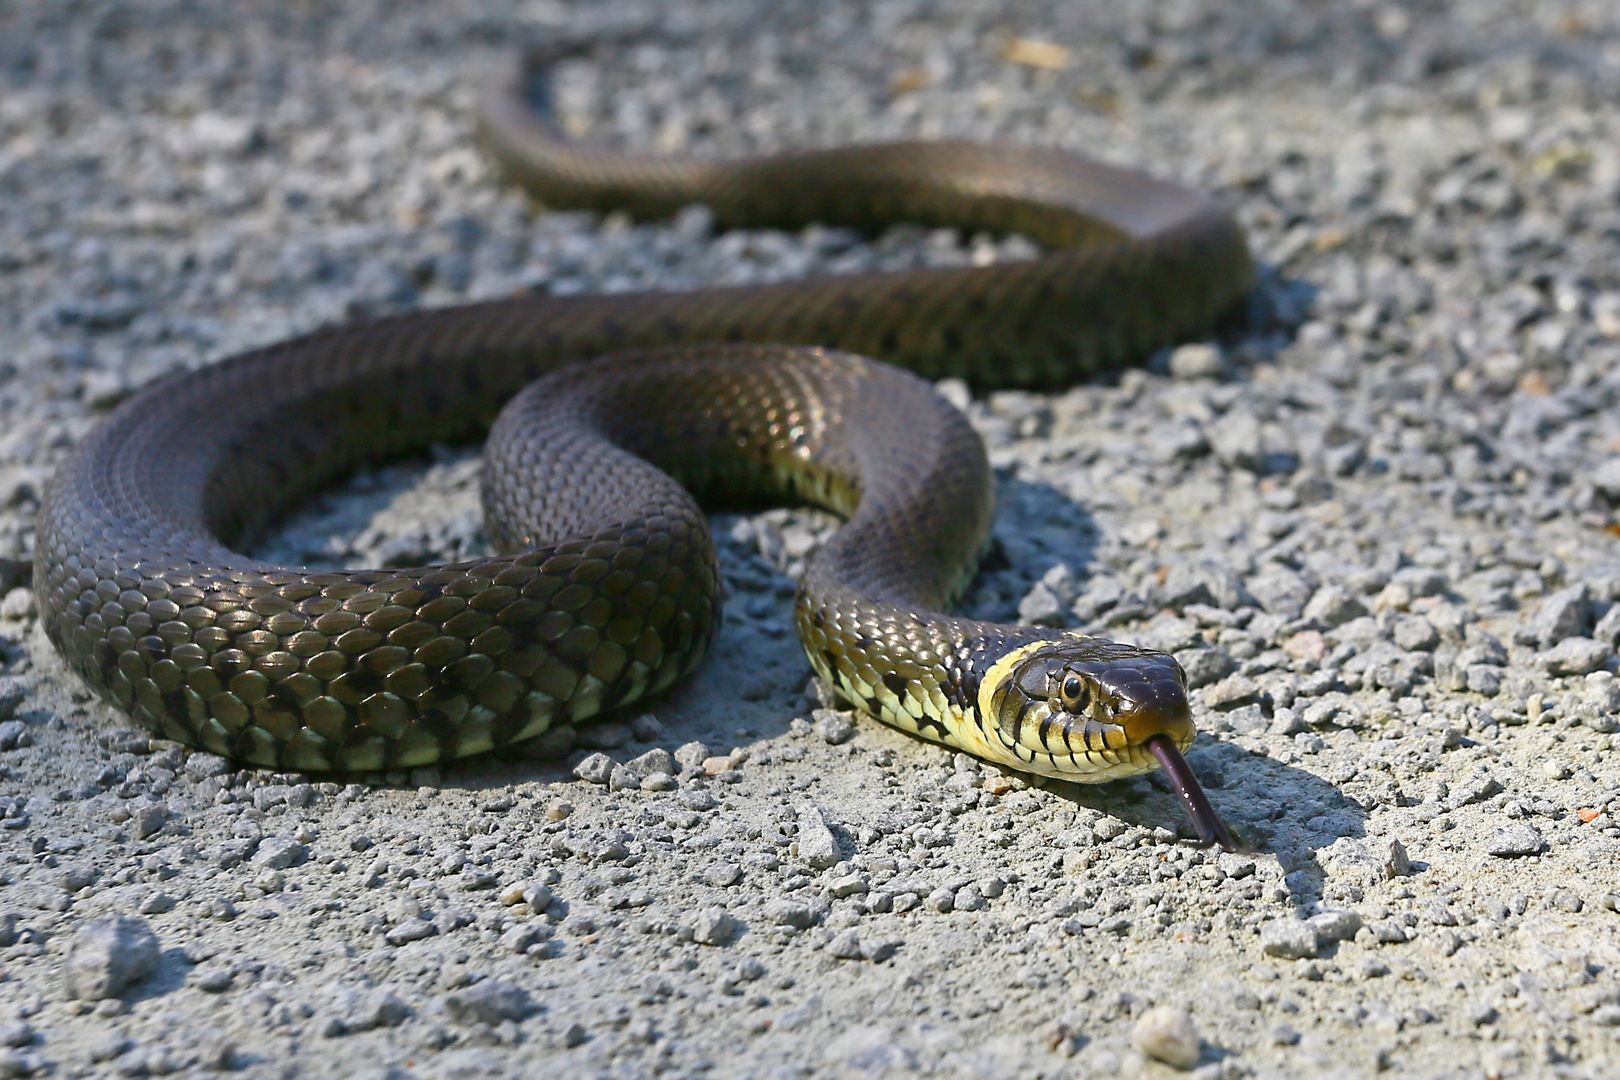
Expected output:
(1211, 829)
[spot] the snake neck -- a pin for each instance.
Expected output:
(910, 667)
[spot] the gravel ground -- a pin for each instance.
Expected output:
(1374, 519)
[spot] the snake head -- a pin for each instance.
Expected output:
(1084, 709)
(1087, 710)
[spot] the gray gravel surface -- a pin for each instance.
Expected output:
(1375, 519)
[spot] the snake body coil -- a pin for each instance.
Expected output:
(613, 592)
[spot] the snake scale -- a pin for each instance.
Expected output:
(727, 394)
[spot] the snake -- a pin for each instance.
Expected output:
(612, 421)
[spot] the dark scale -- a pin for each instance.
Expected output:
(933, 728)
(966, 667)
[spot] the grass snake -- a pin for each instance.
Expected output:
(735, 394)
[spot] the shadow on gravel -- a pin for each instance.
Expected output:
(1038, 528)
(1275, 808)
(173, 968)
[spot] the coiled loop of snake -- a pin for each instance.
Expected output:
(612, 592)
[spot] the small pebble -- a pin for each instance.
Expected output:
(1514, 841)
(411, 930)
(1333, 926)
(1576, 656)
(1167, 1034)
(202, 765)
(595, 769)
(212, 980)
(659, 781)
(877, 950)
(1389, 932)
(14, 735)
(713, 926)
(526, 937)
(1396, 861)
(19, 603)
(1196, 360)
(1290, 939)
(691, 756)
(653, 761)
(845, 946)
(489, 1002)
(280, 852)
(816, 843)
(968, 898)
(789, 913)
(148, 820)
(720, 875)
(12, 694)
(107, 955)
(697, 799)
(848, 885)
(157, 904)
(834, 726)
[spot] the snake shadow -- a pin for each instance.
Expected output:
(1275, 808)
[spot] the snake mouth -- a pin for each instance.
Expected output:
(1168, 720)
(1163, 729)
(1161, 747)
(1154, 741)
(1108, 743)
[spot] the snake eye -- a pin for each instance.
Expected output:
(1074, 693)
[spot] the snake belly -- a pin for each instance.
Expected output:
(141, 590)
